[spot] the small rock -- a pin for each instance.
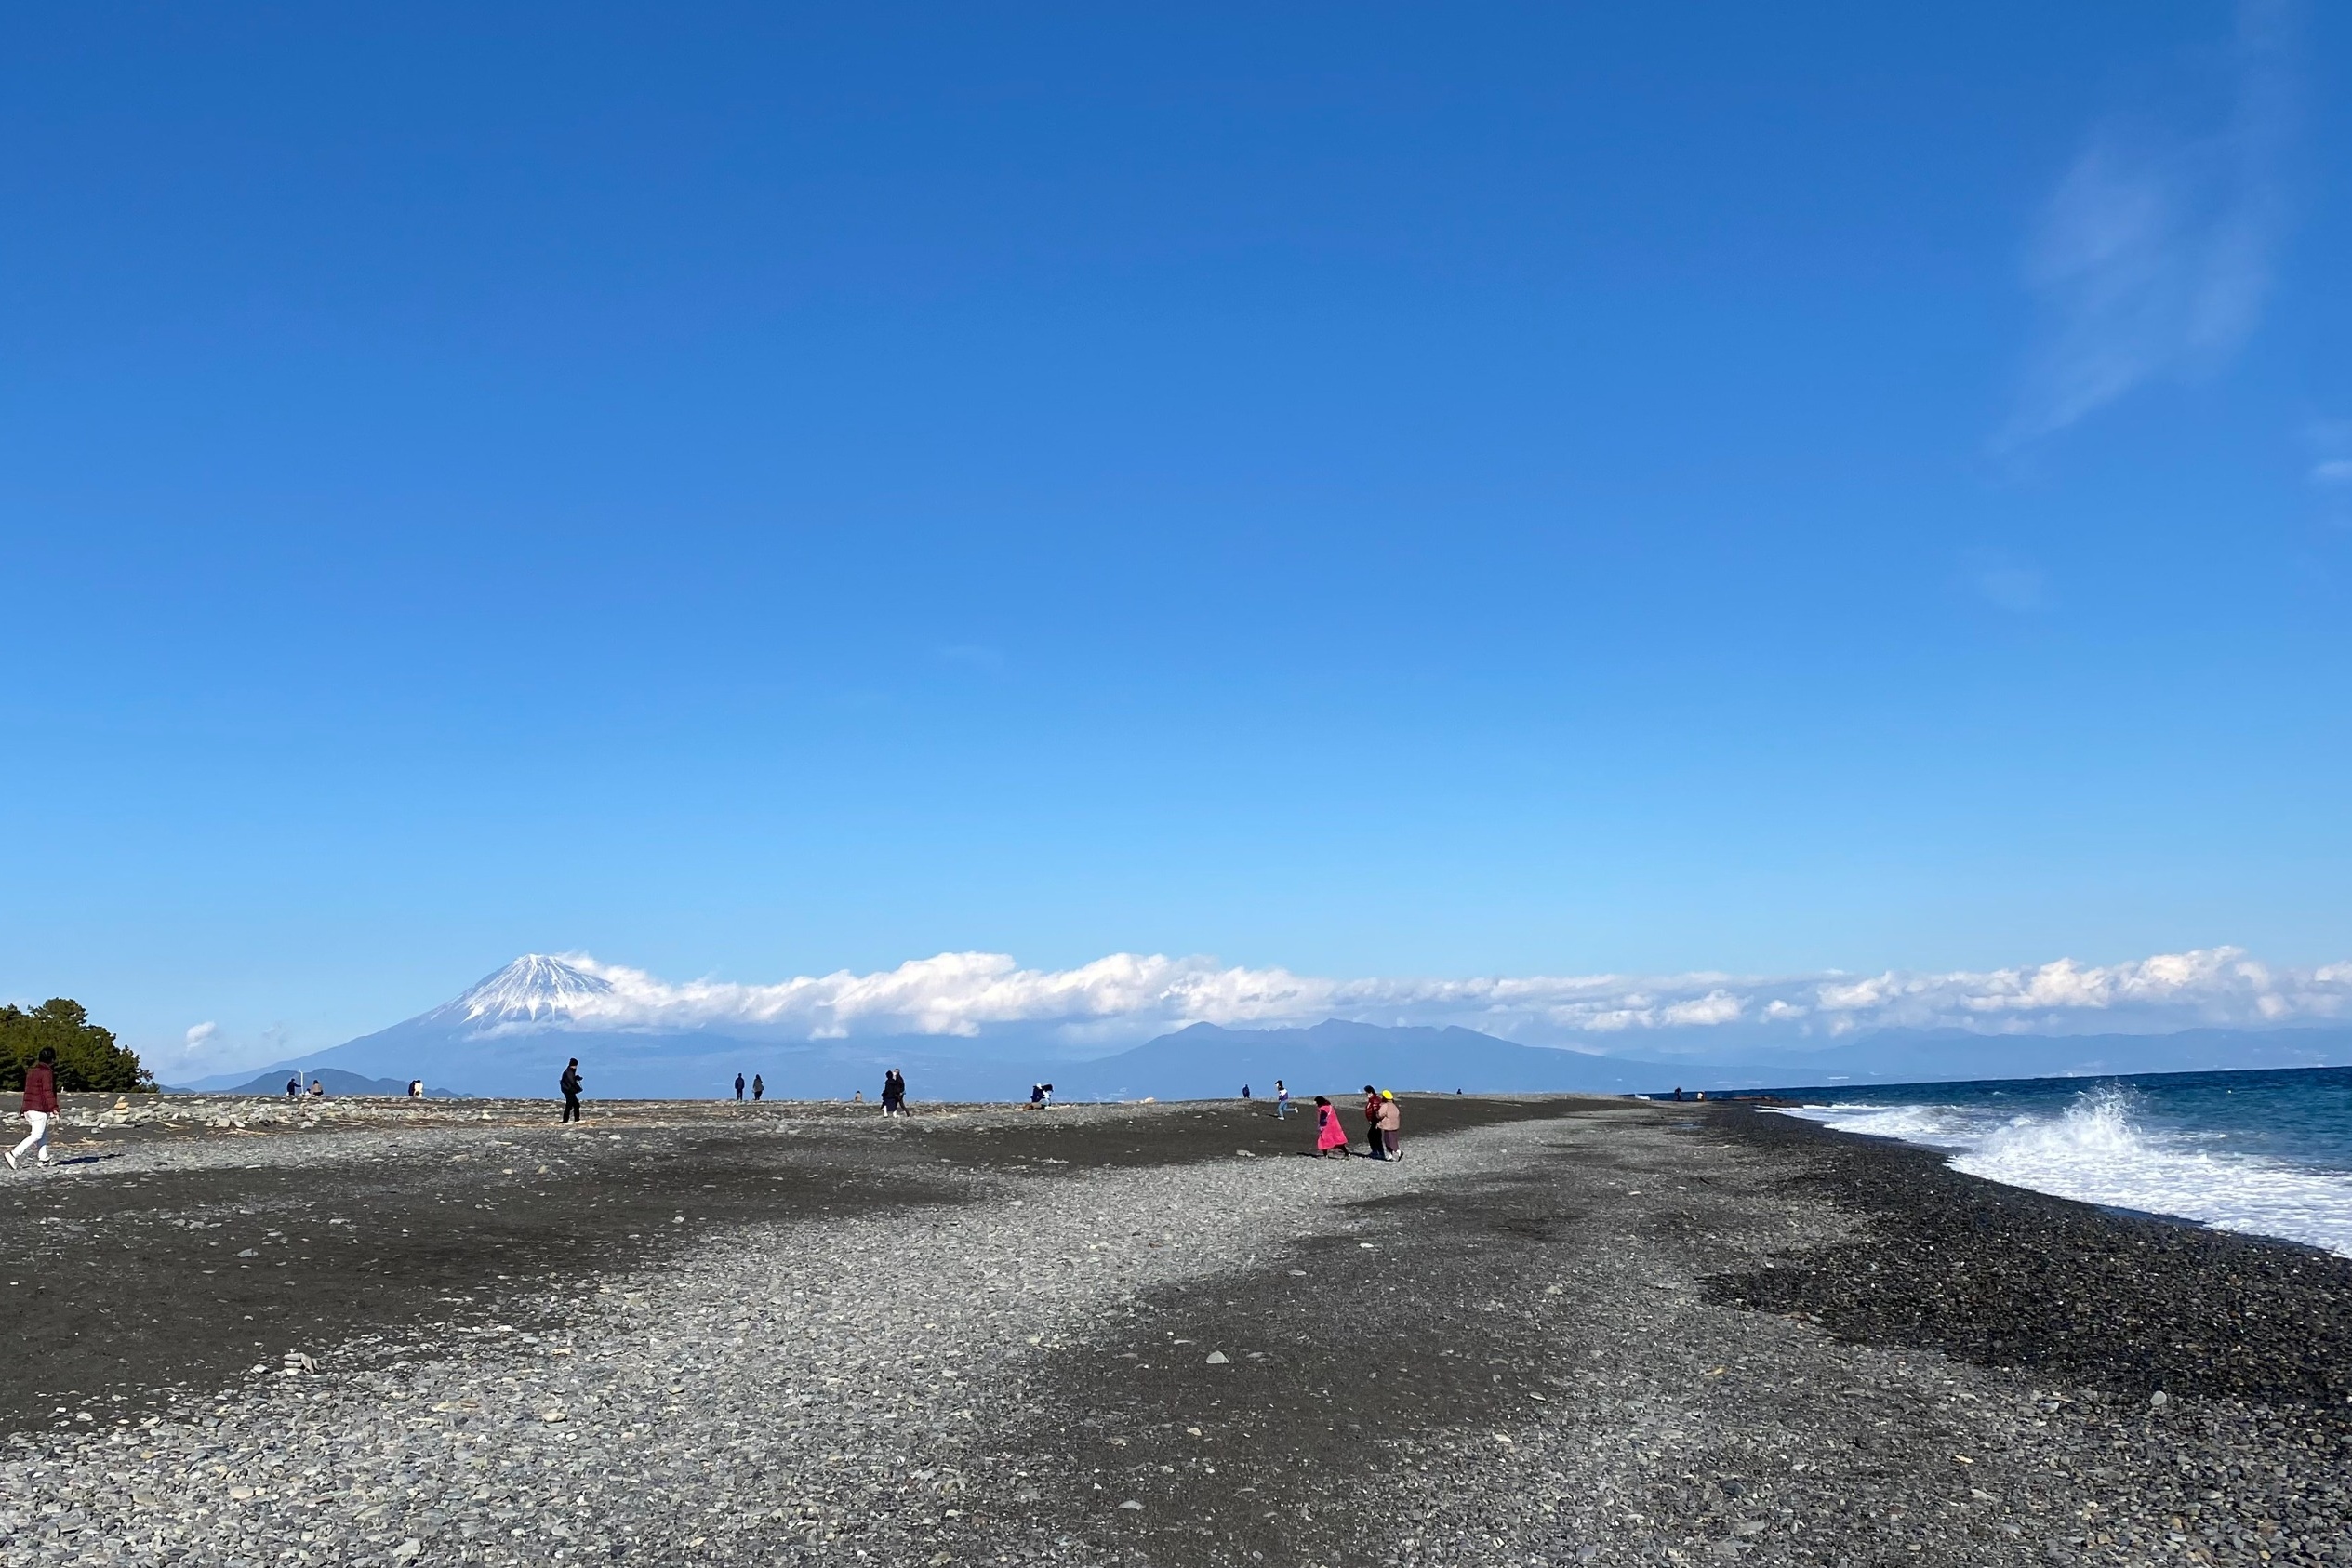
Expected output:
(1131, 1503)
(1218, 1358)
(408, 1551)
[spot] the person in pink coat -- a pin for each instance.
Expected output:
(1330, 1136)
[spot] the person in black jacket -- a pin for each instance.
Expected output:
(738, 1085)
(569, 1083)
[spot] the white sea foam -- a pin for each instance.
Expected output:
(2098, 1151)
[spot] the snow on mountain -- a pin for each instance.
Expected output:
(534, 989)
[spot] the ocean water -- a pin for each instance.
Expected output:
(2267, 1152)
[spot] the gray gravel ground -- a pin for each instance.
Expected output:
(1502, 1351)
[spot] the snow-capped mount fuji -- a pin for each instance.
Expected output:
(510, 1032)
(532, 990)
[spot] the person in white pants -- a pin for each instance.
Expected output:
(40, 1105)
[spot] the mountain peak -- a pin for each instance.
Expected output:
(532, 987)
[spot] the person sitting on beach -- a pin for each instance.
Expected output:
(318, 1087)
(1371, 1123)
(1330, 1136)
(416, 1088)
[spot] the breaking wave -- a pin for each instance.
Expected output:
(2102, 1147)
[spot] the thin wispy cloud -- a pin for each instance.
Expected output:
(1128, 997)
(2330, 445)
(208, 1047)
(2153, 257)
(2017, 588)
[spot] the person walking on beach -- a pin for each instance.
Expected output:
(39, 1105)
(758, 1088)
(1389, 1121)
(738, 1085)
(1371, 1123)
(569, 1083)
(1330, 1136)
(1282, 1099)
(894, 1093)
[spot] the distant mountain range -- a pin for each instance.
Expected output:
(511, 1035)
(335, 1080)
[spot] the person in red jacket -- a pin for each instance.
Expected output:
(40, 1104)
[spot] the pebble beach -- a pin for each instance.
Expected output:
(1561, 1330)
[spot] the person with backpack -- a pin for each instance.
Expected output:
(571, 1084)
(39, 1105)
(1371, 1123)
(759, 1087)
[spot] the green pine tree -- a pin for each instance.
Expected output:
(88, 1058)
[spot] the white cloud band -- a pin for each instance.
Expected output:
(1127, 997)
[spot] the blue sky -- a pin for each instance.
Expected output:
(1374, 491)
